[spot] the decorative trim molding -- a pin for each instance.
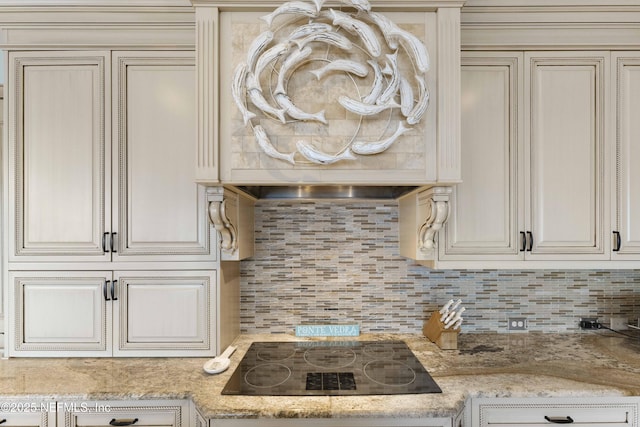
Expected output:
(437, 201)
(449, 161)
(208, 75)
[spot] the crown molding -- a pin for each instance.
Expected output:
(87, 3)
(550, 24)
(97, 27)
(389, 5)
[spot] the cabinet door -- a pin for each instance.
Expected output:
(60, 313)
(17, 413)
(165, 313)
(3, 213)
(149, 413)
(160, 211)
(58, 181)
(566, 105)
(627, 203)
(485, 208)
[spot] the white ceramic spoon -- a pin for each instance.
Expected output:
(220, 363)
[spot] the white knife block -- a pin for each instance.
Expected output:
(446, 339)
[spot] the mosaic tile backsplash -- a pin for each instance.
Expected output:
(338, 262)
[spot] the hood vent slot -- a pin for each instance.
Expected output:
(304, 192)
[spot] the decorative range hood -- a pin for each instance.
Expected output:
(257, 69)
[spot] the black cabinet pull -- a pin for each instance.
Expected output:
(113, 290)
(104, 241)
(559, 420)
(114, 244)
(618, 241)
(123, 422)
(530, 235)
(3, 421)
(104, 290)
(523, 239)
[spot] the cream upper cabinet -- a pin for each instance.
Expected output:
(58, 138)
(535, 171)
(159, 210)
(103, 175)
(566, 108)
(486, 211)
(626, 223)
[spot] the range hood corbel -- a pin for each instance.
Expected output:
(436, 203)
(231, 214)
(422, 214)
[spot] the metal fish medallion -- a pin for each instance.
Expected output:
(355, 48)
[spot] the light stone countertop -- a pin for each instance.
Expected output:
(487, 365)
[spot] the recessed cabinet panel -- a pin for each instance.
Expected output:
(566, 147)
(165, 311)
(60, 311)
(3, 210)
(628, 153)
(166, 413)
(484, 217)
(59, 142)
(584, 411)
(28, 413)
(161, 211)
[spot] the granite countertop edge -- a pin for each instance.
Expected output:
(485, 365)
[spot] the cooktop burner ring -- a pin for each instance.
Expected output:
(378, 351)
(404, 380)
(272, 352)
(280, 371)
(330, 357)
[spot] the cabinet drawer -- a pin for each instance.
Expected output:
(24, 419)
(106, 414)
(611, 413)
(557, 415)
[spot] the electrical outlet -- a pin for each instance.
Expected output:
(518, 324)
(619, 323)
(589, 323)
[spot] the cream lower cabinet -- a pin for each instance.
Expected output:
(534, 166)
(137, 413)
(102, 146)
(32, 413)
(103, 313)
(592, 412)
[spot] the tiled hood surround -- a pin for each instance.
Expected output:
(428, 155)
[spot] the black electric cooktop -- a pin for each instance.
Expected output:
(329, 368)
